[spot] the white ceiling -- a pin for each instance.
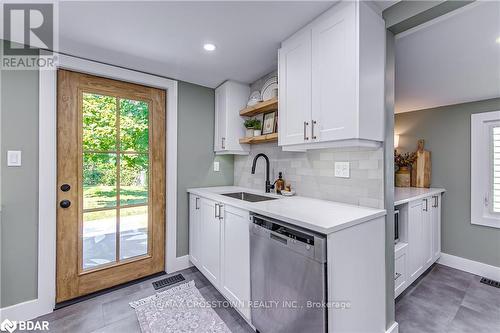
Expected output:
(166, 38)
(453, 59)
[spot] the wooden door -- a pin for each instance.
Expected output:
(210, 240)
(111, 183)
(334, 98)
(295, 90)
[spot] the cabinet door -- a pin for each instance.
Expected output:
(235, 264)
(427, 233)
(295, 89)
(436, 226)
(415, 239)
(400, 272)
(210, 241)
(194, 229)
(334, 98)
(220, 118)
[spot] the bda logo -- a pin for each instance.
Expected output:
(8, 325)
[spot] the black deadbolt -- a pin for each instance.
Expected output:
(65, 203)
(65, 187)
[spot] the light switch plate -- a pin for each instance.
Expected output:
(13, 158)
(342, 170)
(216, 166)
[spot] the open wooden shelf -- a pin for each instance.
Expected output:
(260, 139)
(262, 107)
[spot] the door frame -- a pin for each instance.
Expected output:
(47, 203)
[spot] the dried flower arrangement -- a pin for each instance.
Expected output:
(404, 159)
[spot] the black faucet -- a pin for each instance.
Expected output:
(269, 187)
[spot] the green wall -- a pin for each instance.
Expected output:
(195, 156)
(446, 131)
(19, 186)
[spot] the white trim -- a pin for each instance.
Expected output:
(481, 159)
(47, 177)
(471, 266)
(394, 328)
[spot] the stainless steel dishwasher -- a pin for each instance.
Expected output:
(288, 277)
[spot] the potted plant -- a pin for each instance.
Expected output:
(257, 127)
(249, 123)
(403, 161)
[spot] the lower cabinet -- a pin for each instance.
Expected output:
(420, 244)
(219, 247)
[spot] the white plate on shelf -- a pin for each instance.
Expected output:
(254, 98)
(268, 87)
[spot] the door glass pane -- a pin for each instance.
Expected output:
(99, 238)
(99, 180)
(134, 133)
(99, 122)
(133, 232)
(133, 179)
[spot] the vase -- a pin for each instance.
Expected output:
(257, 132)
(403, 177)
(249, 132)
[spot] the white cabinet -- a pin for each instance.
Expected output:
(230, 98)
(210, 240)
(295, 89)
(331, 80)
(194, 229)
(400, 268)
(219, 247)
(235, 265)
(424, 235)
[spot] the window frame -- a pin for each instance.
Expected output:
(482, 169)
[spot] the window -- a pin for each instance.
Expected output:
(485, 169)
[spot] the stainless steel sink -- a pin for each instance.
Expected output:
(248, 196)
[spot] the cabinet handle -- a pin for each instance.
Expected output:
(196, 206)
(426, 205)
(220, 211)
(436, 200)
(223, 143)
(305, 130)
(216, 208)
(312, 130)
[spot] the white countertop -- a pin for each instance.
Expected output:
(321, 216)
(404, 195)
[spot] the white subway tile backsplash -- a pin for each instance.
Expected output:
(311, 174)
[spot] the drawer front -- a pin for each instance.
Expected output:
(400, 274)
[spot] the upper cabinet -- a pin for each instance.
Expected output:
(230, 98)
(331, 80)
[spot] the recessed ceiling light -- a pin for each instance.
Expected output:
(498, 40)
(209, 47)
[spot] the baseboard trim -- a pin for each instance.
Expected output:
(24, 311)
(178, 264)
(470, 266)
(394, 328)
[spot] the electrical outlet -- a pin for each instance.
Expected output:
(342, 170)
(14, 158)
(216, 166)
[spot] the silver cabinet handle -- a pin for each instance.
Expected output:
(426, 205)
(216, 209)
(223, 143)
(220, 211)
(436, 200)
(196, 206)
(312, 130)
(305, 130)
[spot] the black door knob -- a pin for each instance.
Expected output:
(65, 203)
(65, 187)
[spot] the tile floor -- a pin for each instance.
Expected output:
(442, 300)
(111, 312)
(448, 300)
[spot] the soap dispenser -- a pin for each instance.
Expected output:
(279, 183)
